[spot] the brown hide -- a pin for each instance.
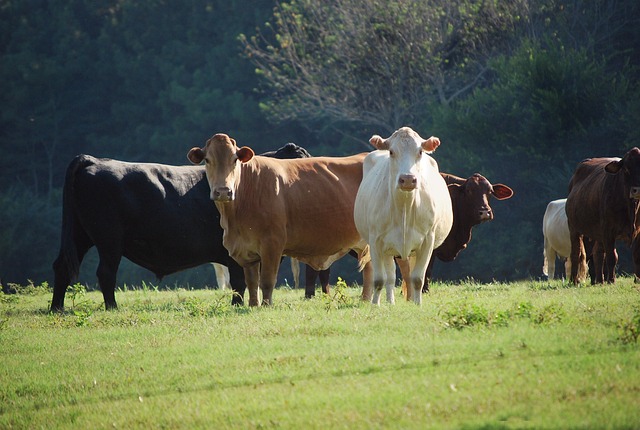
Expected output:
(602, 205)
(302, 208)
(470, 200)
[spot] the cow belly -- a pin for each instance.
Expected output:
(318, 262)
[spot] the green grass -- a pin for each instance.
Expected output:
(474, 356)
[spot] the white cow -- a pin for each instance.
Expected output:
(557, 242)
(403, 208)
(222, 274)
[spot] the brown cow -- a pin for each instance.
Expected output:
(302, 208)
(470, 199)
(603, 205)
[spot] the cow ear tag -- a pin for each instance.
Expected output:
(245, 154)
(196, 155)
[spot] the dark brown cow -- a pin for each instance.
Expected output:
(470, 199)
(302, 208)
(603, 205)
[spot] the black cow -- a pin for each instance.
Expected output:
(603, 205)
(158, 216)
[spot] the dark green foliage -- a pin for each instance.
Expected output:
(520, 98)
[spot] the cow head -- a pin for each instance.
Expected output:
(407, 156)
(288, 151)
(222, 162)
(472, 198)
(629, 165)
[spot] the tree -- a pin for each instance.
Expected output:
(376, 62)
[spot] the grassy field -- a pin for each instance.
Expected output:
(475, 356)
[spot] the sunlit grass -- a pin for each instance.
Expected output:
(520, 355)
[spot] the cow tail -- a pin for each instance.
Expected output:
(583, 268)
(545, 263)
(68, 258)
(364, 256)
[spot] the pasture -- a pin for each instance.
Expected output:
(529, 354)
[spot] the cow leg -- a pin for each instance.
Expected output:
(611, 261)
(323, 275)
(222, 275)
(567, 268)
(295, 272)
(251, 277)
(427, 275)
(379, 275)
(598, 263)
(390, 279)
(367, 282)
(268, 277)
(65, 274)
(635, 253)
(549, 265)
(310, 275)
(405, 272)
(106, 273)
(578, 258)
(237, 282)
(422, 259)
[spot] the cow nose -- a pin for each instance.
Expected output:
(222, 194)
(407, 182)
(634, 193)
(486, 215)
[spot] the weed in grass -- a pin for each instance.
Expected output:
(466, 315)
(524, 309)
(549, 314)
(630, 328)
(340, 298)
(76, 292)
(28, 290)
(197, 307)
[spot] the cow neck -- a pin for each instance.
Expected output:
(458, 237)
(253, 189)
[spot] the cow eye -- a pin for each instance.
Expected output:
(391, 153)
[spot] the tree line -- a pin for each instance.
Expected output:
(518, 91)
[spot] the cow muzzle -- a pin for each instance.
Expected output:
(222, 194)
(634, 193)
(407, 182)
(485, 215)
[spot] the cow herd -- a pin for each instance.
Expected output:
(600, 209)
(386, 207)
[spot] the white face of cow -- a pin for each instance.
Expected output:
(222, 162)
(406, 151)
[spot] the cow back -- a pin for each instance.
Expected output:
(304, 206)
(157, 216)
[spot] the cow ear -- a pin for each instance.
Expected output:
(430, 144)
(378, 142)
(613, 167)
(196, 155)
(454, 189)
(502, 192)
(245, 154)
